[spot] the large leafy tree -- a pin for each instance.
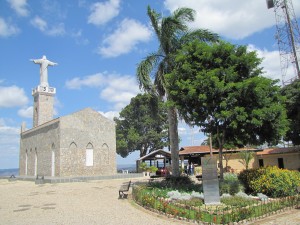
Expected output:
(142, 126)
(219, 88)
(172, 32)
(292, 94)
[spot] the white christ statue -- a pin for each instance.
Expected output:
(44, 63)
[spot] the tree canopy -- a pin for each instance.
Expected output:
(292, 94)
(142, 126)
(219, 88)
(172, 32)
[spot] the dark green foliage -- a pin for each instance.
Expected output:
(183, 184)
(220, 88)
(142, 126)
(230, 185)
(292, 94)
(271, 181)
(247, 176)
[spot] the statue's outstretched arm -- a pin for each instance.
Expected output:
(52, 63)
(36, 61)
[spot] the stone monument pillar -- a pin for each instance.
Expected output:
(43, 94)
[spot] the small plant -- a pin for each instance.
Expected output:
(152, 169)
(246, 157)
(143, 166)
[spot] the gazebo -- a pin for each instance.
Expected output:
(159, 158)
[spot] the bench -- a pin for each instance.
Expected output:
(124, 188)
(39, 179)
(12, 178)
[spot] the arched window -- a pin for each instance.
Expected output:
(89, 155)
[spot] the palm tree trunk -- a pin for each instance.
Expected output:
(174, 140)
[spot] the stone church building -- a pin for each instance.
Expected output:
(79, 144)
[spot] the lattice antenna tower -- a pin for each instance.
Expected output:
(288, 37)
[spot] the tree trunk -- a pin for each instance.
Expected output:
(221, 143)
(174, 140)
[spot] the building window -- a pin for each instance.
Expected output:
(261, 163)
(89, 156)
(280, 163)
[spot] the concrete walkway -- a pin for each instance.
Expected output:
(91, 202)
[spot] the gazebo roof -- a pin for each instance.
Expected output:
(157, 154)
(196, 150)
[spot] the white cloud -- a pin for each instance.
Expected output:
(95, 80)
(19, 6)
(102, 12)
(110, 114)
(119, 90)
(235, 19)
(113, 88)
(271, 64)
(42, 25)
(125, 38)
(12, 96)
(57, 30)
(7, 29)
(26, 112)
(39, 23)
(9, 140)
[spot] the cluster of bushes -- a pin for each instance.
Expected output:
(231, 184)
(271, 181)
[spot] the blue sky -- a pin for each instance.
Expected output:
(97, 45)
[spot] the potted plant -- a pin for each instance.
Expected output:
(144, 167)
(152, 169)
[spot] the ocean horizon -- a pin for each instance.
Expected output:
(15, 171)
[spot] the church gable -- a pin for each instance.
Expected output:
(86, 117)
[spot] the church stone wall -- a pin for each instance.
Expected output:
(38, 144)
(82, 131)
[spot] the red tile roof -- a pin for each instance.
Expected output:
(195, 149)
(204, 149)
(269, 151)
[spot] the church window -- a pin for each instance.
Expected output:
(89, 156)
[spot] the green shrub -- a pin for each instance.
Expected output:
(271, 181)
(182, 183)
(247, 176)
(230, 185)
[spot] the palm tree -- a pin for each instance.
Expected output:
(172, 32)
